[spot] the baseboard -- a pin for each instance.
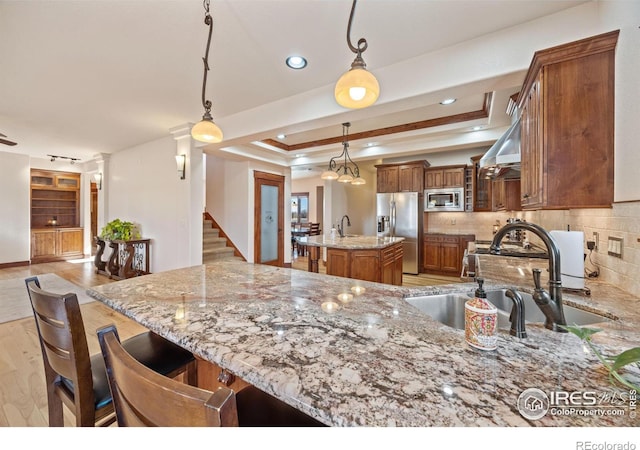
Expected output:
(14, 264)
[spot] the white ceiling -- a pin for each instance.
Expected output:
(83, 77)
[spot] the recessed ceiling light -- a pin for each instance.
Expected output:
(477, 127)
(281, 136)
(448, 101)
(299, 155)
(296, 62)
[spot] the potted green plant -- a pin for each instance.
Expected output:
(119, 230)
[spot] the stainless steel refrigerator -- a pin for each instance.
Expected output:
(400, 214)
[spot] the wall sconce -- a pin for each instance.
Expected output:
(181, 162)
(97, 177)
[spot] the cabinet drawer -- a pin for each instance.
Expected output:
(451, 239)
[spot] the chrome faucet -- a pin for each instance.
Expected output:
(341, 226)
(550, 303)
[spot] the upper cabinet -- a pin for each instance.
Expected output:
(567, 107)
(444, 177)
(55, 199)
(404, 177)
(482, 188)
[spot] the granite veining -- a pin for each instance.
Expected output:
(373, 359)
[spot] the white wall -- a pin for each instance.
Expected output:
(144, 188)
(230, 200)
(15, 233)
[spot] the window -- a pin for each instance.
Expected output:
(300, 207)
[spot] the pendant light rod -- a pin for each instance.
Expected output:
(208, 20)
(206, 130)
(362, 42)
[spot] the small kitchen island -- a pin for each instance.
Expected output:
(368, 258)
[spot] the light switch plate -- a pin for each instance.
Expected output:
(614, 247)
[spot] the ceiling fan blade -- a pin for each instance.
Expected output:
(6, 142)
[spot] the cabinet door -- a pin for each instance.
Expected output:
(433, 179)
(531, 149)
(338, 262)
(482, 188)
(411, 178)
(453, 177)
(70, 242)
(68, 181)
(431, 254)
(451, 259)
(364, 265)
(387, 179)
(43, 243)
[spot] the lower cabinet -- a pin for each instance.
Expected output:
(378, 265)
(443, 253)
(53, 244)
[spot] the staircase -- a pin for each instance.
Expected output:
(214, 247)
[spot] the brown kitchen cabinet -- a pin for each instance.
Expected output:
(506, 194)
(405, 177)
(444, 177)
(567, 106)
(442, 253)
(378, 265)
(53, 244)
(482, 188)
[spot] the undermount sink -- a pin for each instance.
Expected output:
(449, 309)
(351, 235)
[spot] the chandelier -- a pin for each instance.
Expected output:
(356, 88)
(206, 130)
(344, 173)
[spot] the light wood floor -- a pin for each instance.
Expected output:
(22, 388)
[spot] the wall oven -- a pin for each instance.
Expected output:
(446, 199)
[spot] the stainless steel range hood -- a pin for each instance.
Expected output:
(502, 160)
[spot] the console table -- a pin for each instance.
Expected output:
(128, 259)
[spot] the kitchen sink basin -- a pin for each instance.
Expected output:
(449, 309)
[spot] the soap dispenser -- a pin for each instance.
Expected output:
(481, 320)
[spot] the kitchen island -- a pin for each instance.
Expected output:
(369, 358)
(368, 258)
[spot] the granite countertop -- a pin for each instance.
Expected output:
(349, 242)
(372, 360)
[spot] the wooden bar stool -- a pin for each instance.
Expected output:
(142, 397)
(79, 381)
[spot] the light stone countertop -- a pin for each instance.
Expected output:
(376, 360)
(349, 242)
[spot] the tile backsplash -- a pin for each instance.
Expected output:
(621, 221)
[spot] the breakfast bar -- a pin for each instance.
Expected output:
(355, 353)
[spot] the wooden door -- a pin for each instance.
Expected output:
(268, 233)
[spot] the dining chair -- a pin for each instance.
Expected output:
(78, 380)
(142, 397)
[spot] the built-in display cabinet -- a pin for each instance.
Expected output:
(55, 216)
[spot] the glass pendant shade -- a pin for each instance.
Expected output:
(345, 178)
(206, 131)
(329, 175)
(357, 88)
(358, 181)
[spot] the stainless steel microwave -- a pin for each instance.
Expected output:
(446, 199)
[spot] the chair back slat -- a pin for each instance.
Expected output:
(142, 397)
(61, 332)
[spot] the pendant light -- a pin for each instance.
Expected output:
(206, 130)
(357, 88)
(344, 173)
